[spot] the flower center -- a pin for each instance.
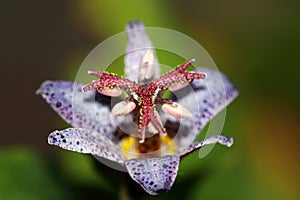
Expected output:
(146, 97)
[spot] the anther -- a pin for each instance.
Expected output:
(176, 110)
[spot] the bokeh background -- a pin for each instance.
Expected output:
(256, 43)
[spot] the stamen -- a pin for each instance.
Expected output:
(157, 123)
(176, 110)
(142, 134)
(112, 92)
(123, 108)
(147, 66)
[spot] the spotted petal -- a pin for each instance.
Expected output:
(79, 108)
(85, 141)
(154, 174)
(137, 47)
(206, 99)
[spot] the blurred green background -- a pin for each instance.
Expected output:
(256, 43)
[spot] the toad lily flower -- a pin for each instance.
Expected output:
(158, 131)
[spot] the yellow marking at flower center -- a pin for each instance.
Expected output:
(155, 146)
(167, 140)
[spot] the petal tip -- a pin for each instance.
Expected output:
(52, 140)
(136, 24)
(154, 174)
(229, 142)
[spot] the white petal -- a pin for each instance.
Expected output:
(84, 141)
(80, 109)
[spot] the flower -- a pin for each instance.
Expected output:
(150, 151)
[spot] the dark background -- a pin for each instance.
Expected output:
(256, 43)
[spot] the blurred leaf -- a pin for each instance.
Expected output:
(26, 175)
(236, 183)
(80, 169)
(107, 17)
